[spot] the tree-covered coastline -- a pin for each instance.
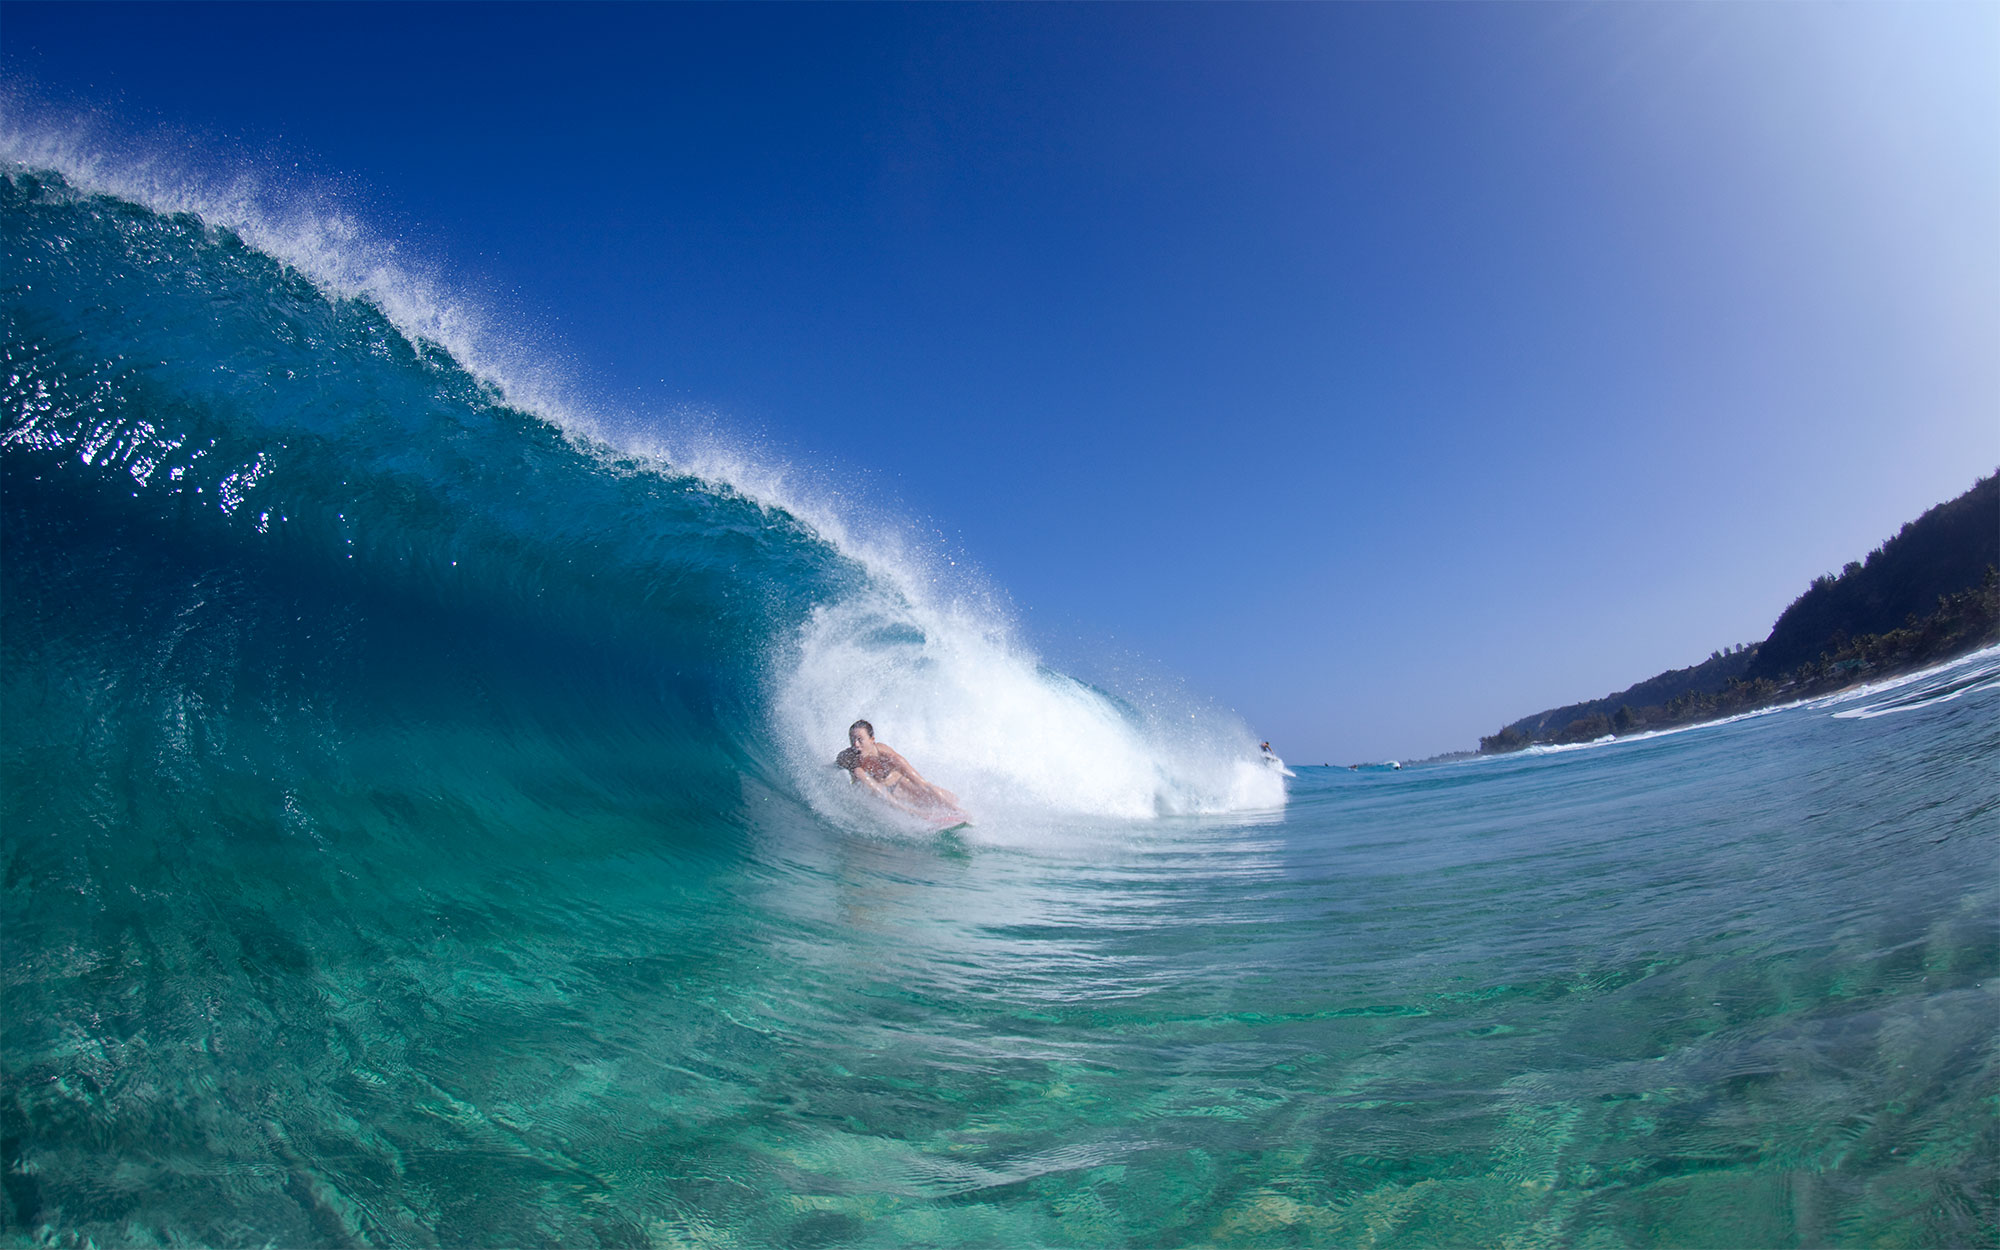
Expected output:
(1927, 594)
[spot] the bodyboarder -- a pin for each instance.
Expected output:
(892, 778)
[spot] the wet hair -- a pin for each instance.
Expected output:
(850, 759)
(862, 724)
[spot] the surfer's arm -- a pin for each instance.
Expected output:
(911, 792)
(916, 779)
(861, 777)
(895, 789)
(921, 796)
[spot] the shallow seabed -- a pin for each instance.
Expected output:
(1725, 987)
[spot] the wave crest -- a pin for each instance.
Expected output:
(254, 395)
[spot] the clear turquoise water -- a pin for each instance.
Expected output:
(357, 896)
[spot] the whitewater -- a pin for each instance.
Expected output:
(418, 829)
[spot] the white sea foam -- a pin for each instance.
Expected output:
(1967, 674)
(972, 709)
(1971, 673)
(926, 651)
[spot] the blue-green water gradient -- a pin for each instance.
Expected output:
(399, 849)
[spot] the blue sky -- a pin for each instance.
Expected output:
(1387, 371)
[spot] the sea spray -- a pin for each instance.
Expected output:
(1014, 737)
(168, 375)
(415, 830)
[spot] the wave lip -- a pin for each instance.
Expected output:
(248, 411)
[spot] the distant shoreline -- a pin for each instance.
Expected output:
(1926, 597)
(1875, 682)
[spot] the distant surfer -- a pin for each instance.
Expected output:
(883, 770)
(1272, 762)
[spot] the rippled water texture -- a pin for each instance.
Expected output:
(1731, 986)
(406, 842)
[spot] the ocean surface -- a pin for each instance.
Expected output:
(417, 830)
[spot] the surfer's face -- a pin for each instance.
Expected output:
(858, 738)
